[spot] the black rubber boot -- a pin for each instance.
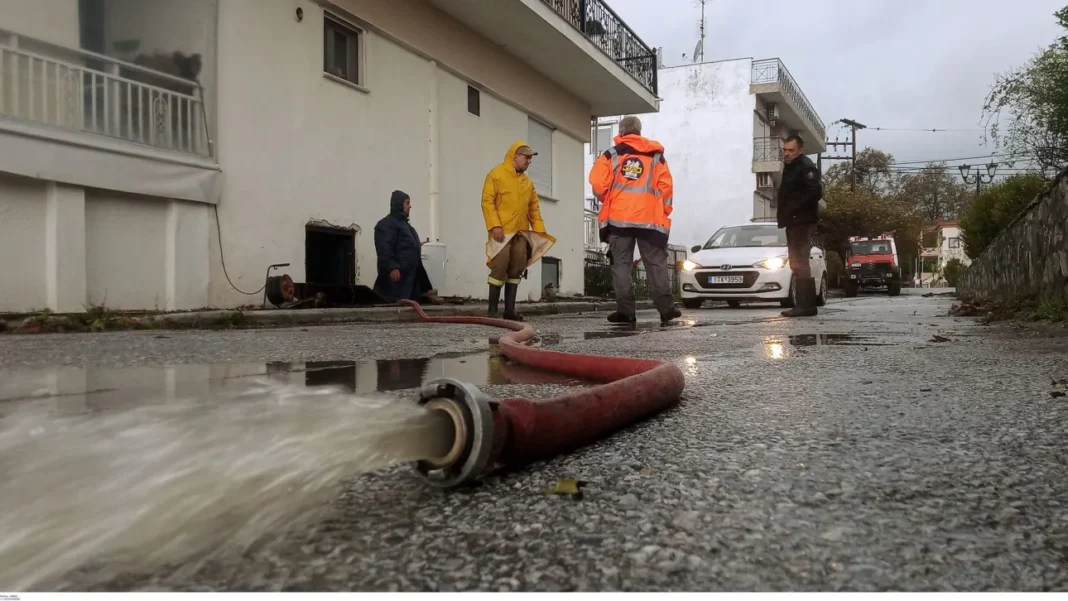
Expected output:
(494, 300)
(618, 317)
(806, 299)
(666, 318)
(510, 291)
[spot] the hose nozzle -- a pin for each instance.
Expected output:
(471, 412)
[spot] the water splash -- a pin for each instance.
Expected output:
(135, 490)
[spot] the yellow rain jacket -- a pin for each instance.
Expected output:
(510, 202)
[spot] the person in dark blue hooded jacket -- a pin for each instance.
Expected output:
(400, 265)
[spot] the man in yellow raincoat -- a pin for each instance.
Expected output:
(517, 236)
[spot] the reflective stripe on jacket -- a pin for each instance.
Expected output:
(633, 183)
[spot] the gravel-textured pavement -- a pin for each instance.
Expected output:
(850, 451)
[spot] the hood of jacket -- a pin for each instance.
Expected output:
(509, 155)
(639, 143)
(396, 204)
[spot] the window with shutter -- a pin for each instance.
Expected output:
(540, 138)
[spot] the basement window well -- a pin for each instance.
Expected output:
(330, 255)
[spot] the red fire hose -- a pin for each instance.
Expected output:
(516, 431)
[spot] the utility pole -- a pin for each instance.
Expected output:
(849, 143)
(854, 126)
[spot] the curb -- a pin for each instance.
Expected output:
(306, 317)
(283, 318)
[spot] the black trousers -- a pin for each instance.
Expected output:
(799, 244)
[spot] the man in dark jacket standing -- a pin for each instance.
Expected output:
(798, 211)
(400, 264)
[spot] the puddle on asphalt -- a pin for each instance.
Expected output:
(777, 348)
(89, 388)
(557, 339)
(613, 331)
(836, 340)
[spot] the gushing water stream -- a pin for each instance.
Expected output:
(129, 491)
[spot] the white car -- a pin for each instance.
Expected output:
(746, 263)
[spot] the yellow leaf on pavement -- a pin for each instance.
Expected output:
(565, 486)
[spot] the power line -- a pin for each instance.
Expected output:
(928, 129)
(1000, 171)
(996, 156)
(949, 168)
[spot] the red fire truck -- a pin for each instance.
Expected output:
(872, 263)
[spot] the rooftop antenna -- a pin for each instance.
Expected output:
(699, 50)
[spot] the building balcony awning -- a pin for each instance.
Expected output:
(82, 118)
(771, 80)
(581, 44)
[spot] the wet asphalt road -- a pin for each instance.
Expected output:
(843, 452)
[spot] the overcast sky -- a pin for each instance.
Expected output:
(885, 63)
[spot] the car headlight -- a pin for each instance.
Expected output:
(772, 263)
(689, 265)
(855, 265)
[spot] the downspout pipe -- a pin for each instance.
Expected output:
(434, 153)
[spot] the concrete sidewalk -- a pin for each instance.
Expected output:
(303, 317)
(281, 318)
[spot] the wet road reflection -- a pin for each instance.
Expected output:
(96, 388)
(776, 348)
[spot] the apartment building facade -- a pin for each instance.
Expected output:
(161, 155)
(722, 125)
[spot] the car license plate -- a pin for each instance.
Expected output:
(725, 279)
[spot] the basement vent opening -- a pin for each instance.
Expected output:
(330, 255)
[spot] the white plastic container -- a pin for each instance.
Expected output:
(433, 255)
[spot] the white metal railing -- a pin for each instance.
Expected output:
(767, 149)
(592, 236)
(75, 89)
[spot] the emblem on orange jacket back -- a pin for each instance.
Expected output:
(632, 168)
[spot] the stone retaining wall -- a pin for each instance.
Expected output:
(1029, 260)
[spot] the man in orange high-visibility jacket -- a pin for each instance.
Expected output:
(633, 183)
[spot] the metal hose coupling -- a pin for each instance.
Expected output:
(472, 450)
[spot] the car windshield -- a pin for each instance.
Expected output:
(871, 247)
(747, 236)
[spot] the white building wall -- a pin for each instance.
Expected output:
(945, 252)
(295, 147)
(22, 226)
(706, 126)
(78, 248)
(338, 151)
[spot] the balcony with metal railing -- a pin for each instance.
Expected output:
(770, 77)
(59, 87)
(591, 235)
(581, 45)
(86, 119)
(602, 26)
(767, 150)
